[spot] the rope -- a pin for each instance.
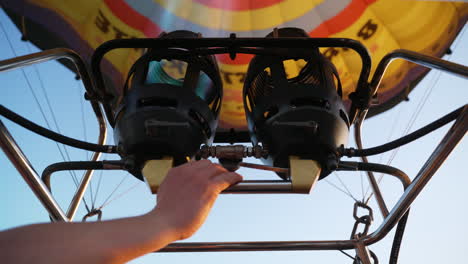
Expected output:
(121, 194)
(54, 119)
(115, 189)
(392, 130)
(344, 185)
(341, 190)
(97, 189)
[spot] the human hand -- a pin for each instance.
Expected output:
(188, 193)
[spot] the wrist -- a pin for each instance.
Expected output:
(161, 226)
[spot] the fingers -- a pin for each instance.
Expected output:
(203, 168)
(224, 180)
(197, 164)
(191, 169)
(213, 175)
(213, 171)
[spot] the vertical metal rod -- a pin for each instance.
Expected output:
(370, 175)
(420, 59)
(437, 158)
(30, 176)
(363, 253)
(80, 65)
(75, 202)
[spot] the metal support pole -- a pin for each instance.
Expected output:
(420, 59)
(370, 175)
(75, 202)
(261, 186)
(260, 246)
(448, 143)
(48, 55)
(30, 176)
(55, 54)
(363, 253)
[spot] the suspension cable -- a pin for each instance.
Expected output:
(344, 185)
(419, 107)
(339, 189)
(405, 180)
(121, 194)
(389, 136)
(41, 110)
(99, 183)
(54, 119)
(125, 177)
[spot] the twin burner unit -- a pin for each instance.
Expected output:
(163, 115)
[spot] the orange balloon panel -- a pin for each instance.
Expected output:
(382, 26)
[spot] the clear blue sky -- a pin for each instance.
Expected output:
(436, 230)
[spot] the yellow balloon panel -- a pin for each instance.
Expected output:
(232, 109)
(387, 25)
(425, 27)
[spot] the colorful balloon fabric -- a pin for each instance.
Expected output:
(428, 27)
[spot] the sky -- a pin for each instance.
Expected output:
(436, 230)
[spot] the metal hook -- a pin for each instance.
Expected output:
(358, 205)
(366, 220)
(93, 212)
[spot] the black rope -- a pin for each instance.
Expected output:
(12, 116)
(351, 152)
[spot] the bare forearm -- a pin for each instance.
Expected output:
(114, 241)
(184, 201)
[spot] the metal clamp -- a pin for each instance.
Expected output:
(93, 212)
(236, 152)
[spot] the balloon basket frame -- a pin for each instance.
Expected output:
(95, 93)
